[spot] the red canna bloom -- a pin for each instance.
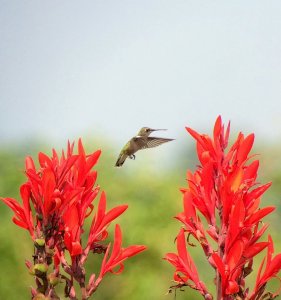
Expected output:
(224, 191)
(56, 200)
(61, 191)
(23, 214)
(117, 257)
(186, 271)
(102, 220)
(271, 268)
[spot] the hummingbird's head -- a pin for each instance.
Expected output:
(146, 131)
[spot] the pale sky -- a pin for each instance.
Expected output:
(70, 68)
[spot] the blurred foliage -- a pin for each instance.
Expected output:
(150, 186)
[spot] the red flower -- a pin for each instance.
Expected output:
(186, 270)
(56, 200)
(61, 192)
(117, 256)
(271, 268)
(223, 189)
(23, 214)
(102, 220)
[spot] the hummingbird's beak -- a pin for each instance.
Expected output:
(158, 129)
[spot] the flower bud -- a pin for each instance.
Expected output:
(39, 243)
(208, 297)
(40, 269)
(53, 279)
(40, 296)
(28, 263)
(72, 292)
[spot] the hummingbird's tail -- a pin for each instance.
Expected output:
(121, 159)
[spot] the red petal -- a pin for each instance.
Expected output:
(48, 187)
(251, 171)
(253, 206)
(66, 166)
(103, 264)
(217, 128)
(181, 246)
(259, 272)
(20, 223)
(256, 193)
(172, 258)
(232, 287)
(101, 210)
(236, 221)
(236, 179)
(113, 214)
(274, 267)
(226, 137)
(92, 160)
(132, 250)
(234, 254)
(125, 253)
(196, 136)
(253, 250)
(44, 160)
(68, 240)
(81, 150)
(29, 164)
(119, 271)
(111, 263)
(76, 249)
(189, 209)
(270, 251)
(245, 148)
(257, 216)
(70, 148)
(71, 217)
(25, 195)
(117, 242)
(219, 264)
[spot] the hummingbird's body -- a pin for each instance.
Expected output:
(141, 141)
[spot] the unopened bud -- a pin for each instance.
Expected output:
(28, 263)
(208, 297)
(34, 292)
(40, 296)
(53, 279)
(72, 292)
(40, 269)
(39, 243)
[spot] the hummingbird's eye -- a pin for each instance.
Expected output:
(147, 129)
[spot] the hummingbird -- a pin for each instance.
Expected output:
(141, 141)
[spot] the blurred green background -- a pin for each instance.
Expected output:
(150, 186)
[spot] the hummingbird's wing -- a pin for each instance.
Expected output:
(151, 142)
